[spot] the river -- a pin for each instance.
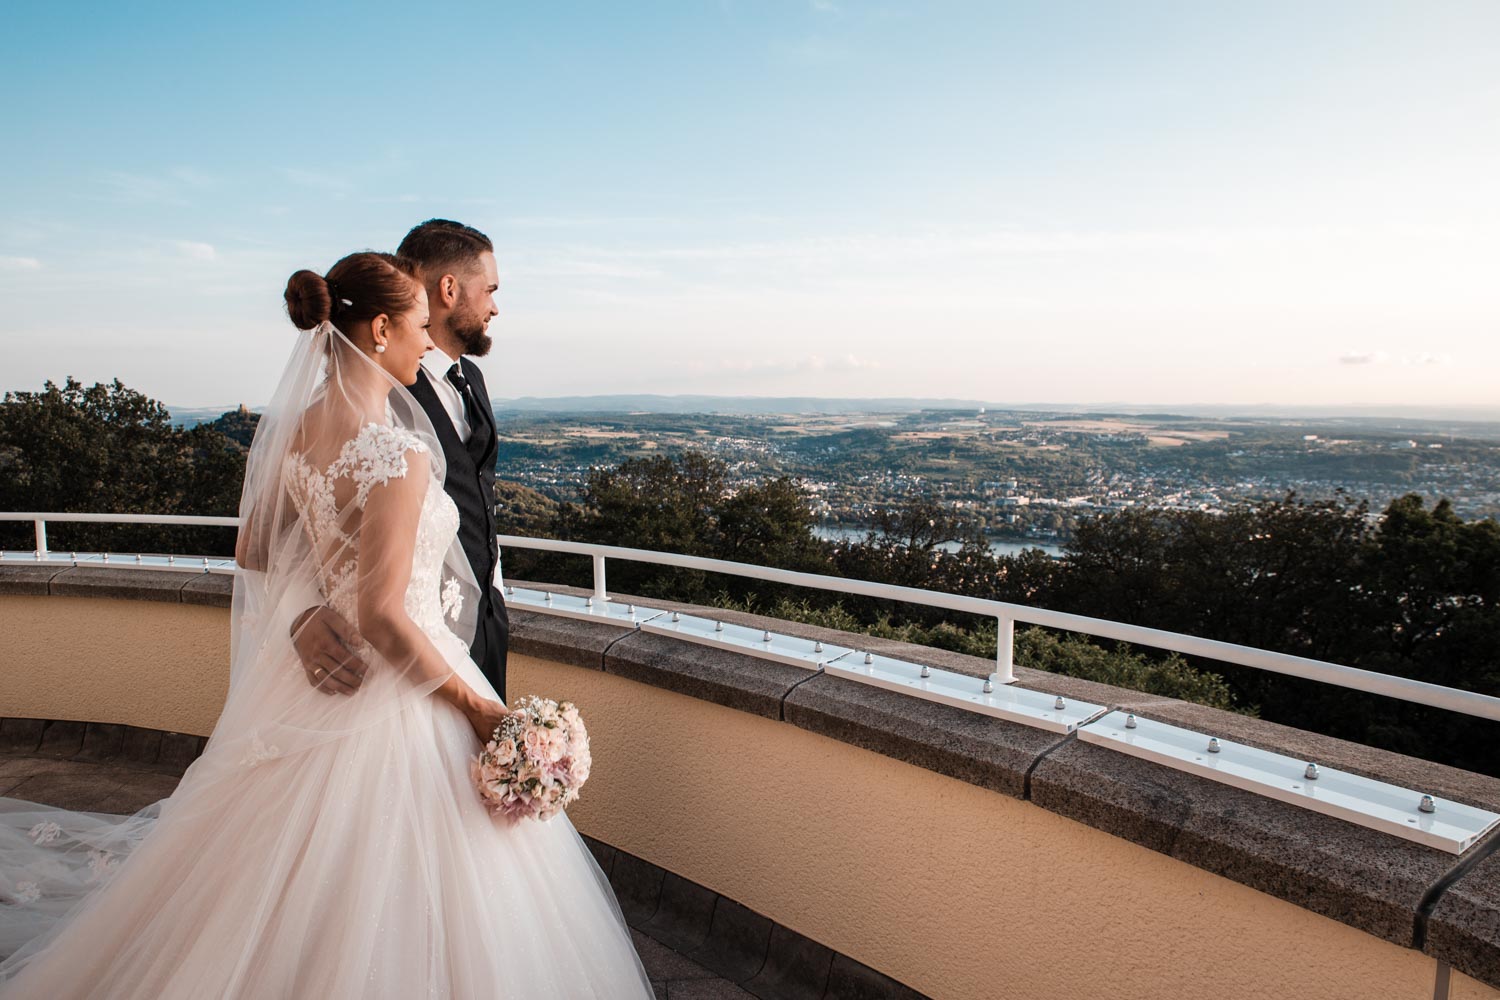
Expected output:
(833, 532)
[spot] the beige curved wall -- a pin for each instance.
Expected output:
(960, 892)
(956, 891)
(144, 663)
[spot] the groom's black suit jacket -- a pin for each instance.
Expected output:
(470, 481)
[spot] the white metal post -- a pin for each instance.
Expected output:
(599, 578)
(1005, 647)
(41, 539)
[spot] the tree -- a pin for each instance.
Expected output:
(238, 426)
(110, 449)
(770, 524)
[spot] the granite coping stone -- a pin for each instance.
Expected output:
(123, 584)
(1464, 927)
(19, 578)
(563, 640)
(723, 676)
(980, 749)
(1358, 876)
(215, 590)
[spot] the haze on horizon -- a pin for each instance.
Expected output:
(1158, 203)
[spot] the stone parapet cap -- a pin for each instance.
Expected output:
(172, 586)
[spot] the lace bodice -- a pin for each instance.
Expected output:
(376, 455)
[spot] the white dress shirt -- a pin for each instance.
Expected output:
(437, 364)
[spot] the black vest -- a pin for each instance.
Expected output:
(470, 481)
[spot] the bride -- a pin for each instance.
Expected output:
(327, 846)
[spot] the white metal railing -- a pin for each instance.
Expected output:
(1006, 615)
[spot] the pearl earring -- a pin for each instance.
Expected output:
(379, 348)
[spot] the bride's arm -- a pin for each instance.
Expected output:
(388, 537)
(249, 548)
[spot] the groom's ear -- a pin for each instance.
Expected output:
(447, 291)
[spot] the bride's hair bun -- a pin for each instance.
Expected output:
(360, 287)
(308, 301)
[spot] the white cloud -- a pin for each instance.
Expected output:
(810, 364)
(316, 180)
(1381, 358)
(812, 51)
(19, 264)
(196, 251)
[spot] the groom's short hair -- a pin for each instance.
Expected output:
(439, 245)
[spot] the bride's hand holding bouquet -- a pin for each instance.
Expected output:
(535, 760)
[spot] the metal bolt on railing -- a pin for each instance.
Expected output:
(1059, 704)
(817, 647)
(547, 596)
(106, 559)
(1213, 744)
(718, 626)
(1428, 804)
(171, 560)
(137, 558)
(630, 608)
(588, 602)
(1129, 721)
(510, 591)
(766, 637)
(675, 616)
(1311, 774)
(926, 670)
(869, 657)
(989, 684)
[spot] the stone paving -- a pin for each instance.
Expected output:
(75, 774)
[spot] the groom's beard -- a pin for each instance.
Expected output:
(470, 333)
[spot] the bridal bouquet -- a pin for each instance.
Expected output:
(535, 762)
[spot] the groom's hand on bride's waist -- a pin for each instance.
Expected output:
(324, 642)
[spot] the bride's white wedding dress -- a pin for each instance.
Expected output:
(360, 864)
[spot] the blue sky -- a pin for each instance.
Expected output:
(1069, 202)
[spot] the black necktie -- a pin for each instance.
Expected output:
(471, 408)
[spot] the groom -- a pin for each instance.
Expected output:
(457, 265)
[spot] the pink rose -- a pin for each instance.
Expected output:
(504, 753)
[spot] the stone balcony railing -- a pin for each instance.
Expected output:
(809, 836)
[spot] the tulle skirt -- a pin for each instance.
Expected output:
(365, 867)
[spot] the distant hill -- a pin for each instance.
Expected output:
(1392, 416)
(724, 404)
